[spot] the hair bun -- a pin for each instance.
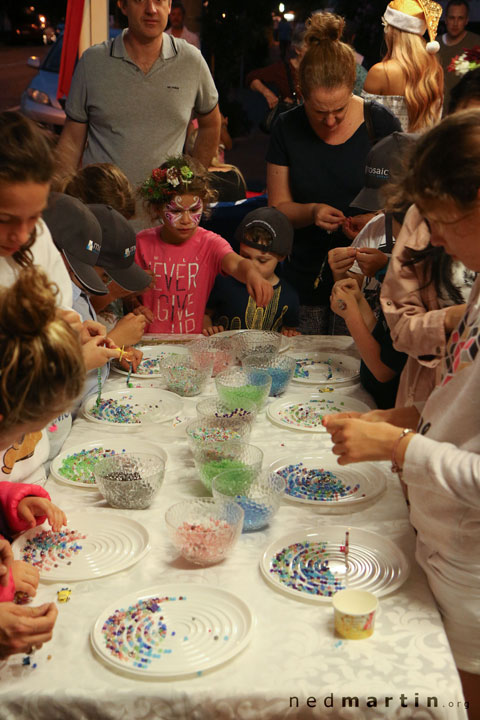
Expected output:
(324, 26)
(28, 306)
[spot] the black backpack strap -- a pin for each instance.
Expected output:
(388, 233)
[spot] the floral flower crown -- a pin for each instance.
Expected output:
(162, 184)
(468, 60)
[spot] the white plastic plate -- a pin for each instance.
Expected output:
(93, 545)
(309, 564)
(74, 466)
(152, 405)
(325, 368)
(320, 481)
(152, 354)
(307, 414)
(172, 630)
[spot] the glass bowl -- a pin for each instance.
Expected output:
(253, 341)
(280, 367)
(211, 458)
(220, 348)
(130, 480)
(238, 385)
(241, 419)
(259, 497)
(204, 530)
(187, 375)
(200, 431)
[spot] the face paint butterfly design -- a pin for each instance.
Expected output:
(175, 209)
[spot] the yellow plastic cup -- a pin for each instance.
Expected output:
(354, 613)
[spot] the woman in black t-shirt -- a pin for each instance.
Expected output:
(316, 164)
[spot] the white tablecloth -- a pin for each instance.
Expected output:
(294, 667)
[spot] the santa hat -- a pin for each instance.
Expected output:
(416, 16)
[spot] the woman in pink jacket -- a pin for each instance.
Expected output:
(423, 298)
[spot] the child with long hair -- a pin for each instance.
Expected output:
(409, 79)
(26, 170)
(41, 374)
(184, 257)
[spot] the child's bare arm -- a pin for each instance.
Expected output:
(346, 305)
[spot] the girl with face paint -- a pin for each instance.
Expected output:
(184, 257)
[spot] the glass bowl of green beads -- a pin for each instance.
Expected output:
(238, 385)
(211, 457)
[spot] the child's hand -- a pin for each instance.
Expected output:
(349, 286)
(341, 259)
(23, 627)
(131, 356)
(6, 560)
(128, 330)
(31, 507)
(259, 288)
(26, 577)
(212, 330)
(142, 310)
(343, 300)
(98, 351)
(371, 260)
(290, 332)
(92, 329)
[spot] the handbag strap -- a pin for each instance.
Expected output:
(291, 84)
(367, 116)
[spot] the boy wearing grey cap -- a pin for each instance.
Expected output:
(266, 237)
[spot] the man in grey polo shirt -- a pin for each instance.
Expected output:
(131, 98)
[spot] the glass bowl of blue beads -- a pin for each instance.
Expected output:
(130, 480)
(280, 367)
(259, 497)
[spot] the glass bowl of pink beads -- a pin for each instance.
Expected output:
(204, 530)
(220, 349)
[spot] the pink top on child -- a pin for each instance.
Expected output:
(184, 277)
(10, 522)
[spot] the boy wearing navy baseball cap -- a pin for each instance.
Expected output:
(265, 236)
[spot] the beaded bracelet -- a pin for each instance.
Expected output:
(395, 466)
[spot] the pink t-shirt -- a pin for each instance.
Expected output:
(184, 277)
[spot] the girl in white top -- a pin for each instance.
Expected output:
(26, 169)
(441, 460)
